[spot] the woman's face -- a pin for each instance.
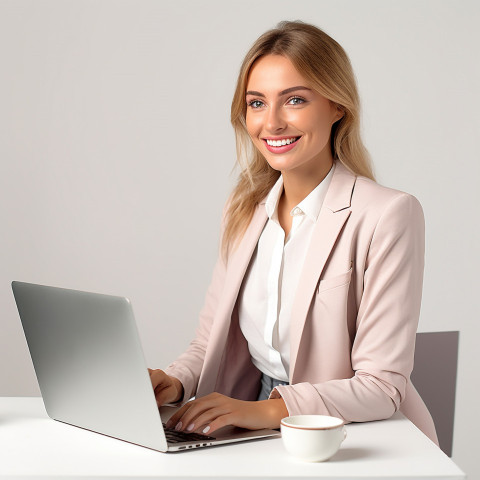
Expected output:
(288, 122)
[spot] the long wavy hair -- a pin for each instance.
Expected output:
(327, 69)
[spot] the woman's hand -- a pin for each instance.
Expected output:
(167, 389)
(209, 413)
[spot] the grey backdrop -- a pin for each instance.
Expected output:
(116, 153)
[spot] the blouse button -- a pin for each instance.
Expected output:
(296, 211)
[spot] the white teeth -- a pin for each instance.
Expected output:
(279, 143)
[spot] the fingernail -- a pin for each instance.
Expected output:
(206, 429)
(178, 426)
(190, 427)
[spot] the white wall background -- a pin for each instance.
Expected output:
(116, 152)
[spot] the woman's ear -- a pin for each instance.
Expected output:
(339, 113)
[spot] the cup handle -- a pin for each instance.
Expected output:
(344, 433)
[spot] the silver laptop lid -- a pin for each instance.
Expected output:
(86, 379)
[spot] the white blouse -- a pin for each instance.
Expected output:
(271, 280)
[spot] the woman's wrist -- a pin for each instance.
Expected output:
(275, 411)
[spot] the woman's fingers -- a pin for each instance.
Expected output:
(157, 377)
(184, 417)
(164, 387)
(174, 419)
(195, 415)
(219, 422)
(164, 394)
(200, 422)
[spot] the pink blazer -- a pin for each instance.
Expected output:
(354, 317)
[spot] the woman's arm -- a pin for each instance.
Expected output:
(383, 347)
(211, 412)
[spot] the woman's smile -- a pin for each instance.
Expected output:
(281, 144)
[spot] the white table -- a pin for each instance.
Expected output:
(33, 446)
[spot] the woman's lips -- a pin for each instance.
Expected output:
(281, 148)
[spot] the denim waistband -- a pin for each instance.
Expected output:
(268, 384)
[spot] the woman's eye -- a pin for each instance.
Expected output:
(255, 104)
(296, 101)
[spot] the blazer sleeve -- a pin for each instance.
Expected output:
(387, 319)
(188, 366)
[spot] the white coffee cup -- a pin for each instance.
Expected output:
(313, 438)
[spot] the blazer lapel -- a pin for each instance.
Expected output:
(333, 215)
(236, 269)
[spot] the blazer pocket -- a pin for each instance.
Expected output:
(336, 281)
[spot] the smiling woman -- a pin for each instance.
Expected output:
(290, 125)
(296, 119)
(292, 132)
(314, 301)
(321, 66)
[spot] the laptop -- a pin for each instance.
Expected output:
(91, 370)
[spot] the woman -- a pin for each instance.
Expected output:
(314, 301)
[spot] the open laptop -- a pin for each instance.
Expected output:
(92, 373)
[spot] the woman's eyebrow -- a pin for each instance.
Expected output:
(283, 92)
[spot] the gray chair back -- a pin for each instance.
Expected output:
(434, 376)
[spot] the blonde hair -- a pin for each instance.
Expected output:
(325, 65)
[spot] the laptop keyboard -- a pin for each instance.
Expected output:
(174, 436)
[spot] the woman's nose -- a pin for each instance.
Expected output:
(275, 121)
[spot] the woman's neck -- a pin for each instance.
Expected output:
(298, 185)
